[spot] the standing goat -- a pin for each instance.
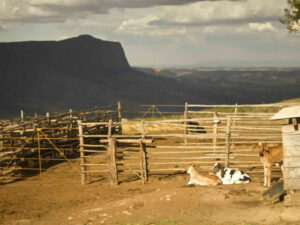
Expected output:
(268, 156)
(201, 179)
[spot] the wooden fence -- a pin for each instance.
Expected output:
(104, 147)
(155, 147)
(30, 146)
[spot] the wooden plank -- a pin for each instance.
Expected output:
(291, 162)
(133, 141)
(293, 183)
(291, 173)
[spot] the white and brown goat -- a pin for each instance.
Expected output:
(197, 178)
(269, 156)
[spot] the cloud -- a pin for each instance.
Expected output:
(141, 27)
(261, 26)
(221, 13)
(41, 11)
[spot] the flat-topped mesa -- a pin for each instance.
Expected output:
(74, 56)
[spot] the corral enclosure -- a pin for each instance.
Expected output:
(100, 146)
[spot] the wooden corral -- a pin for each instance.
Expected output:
(169, 146)
(104, 147)
(31, 145)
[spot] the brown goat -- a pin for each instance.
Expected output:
(268, 156)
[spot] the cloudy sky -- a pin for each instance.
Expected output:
(163, 32)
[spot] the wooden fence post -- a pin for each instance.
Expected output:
(39, 151)
(215, 130)
(1, 140)
(227, 142)
(71, 114)
(36, 118)
(120, 117)
(98, 113)
(111, 161)
(119, 112)
(185, 122)
(109, 129)
(81, 150)
(48, 118)
(144, 167)
(22, 116)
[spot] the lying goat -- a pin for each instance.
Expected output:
(269, 156)
(230, 176)
(201, 179)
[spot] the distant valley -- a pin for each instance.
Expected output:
(241, 85)
(82, 72)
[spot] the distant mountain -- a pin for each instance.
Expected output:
(81, 72)
(77, 73)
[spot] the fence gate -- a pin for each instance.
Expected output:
(106, 154)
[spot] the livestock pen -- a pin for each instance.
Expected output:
(98, 145)
(149, 146)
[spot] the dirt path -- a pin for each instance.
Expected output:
(167, 201)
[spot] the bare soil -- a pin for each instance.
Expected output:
(165, 200)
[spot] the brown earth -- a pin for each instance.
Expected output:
(165, 201)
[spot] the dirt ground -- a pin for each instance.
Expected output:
(164, 201)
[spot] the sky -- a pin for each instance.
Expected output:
(163, 32)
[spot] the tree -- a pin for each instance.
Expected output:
(292, 16)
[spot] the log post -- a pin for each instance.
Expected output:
(119, 112)
(215, 130)
(1, 140)
(144, 169)
(185, 116)
(120, 117)
(39, 151)
(227, 142)
(233, 122)
(111, 162)
(71, 114)
(48, 118)
(81, 150)
(22, 116)
(109, 129)
(97, 113)
(153, 110)
(36, 118)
